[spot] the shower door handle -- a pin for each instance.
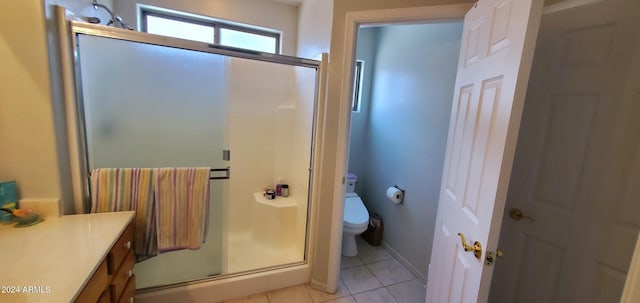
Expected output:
(226, 170)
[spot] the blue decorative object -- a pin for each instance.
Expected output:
(8, 199)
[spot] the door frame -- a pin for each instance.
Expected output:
(354, 19)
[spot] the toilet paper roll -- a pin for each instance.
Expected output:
(395, 195)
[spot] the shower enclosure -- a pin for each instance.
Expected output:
(151, 101)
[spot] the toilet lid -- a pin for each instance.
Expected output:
(354, 211)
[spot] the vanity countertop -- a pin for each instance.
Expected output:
(53, 260)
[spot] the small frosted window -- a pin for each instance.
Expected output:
(261, 43)
(180, 29)
(209, 30)
(357, 86)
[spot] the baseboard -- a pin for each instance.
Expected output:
(228, 288)
(317, 285)
(404, 262)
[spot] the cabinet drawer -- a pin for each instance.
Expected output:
(105, 297)
(96, 285)
(129, 291)
(120, 250)
(122, 275)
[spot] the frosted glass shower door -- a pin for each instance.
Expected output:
(148, 102)
(157, 106)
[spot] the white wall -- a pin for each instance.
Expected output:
(27, 139)
(366, 50)
(314, 27)
(404, 140)
(84, 8)
(262, 13)
(314, 35)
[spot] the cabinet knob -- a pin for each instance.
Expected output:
(130, 273)
(131, 300)
(127, 245)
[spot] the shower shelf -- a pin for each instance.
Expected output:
(277, 202)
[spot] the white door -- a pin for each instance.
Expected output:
(493, 70)
(575, 171)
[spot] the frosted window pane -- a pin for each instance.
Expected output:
(179, 29)
(246, 40)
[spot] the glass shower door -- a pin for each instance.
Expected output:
(155, 106)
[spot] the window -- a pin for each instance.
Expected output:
(357, 86)
(179, 29)
(208, 30)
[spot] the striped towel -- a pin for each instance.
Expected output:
(182, 207)
(121, 189)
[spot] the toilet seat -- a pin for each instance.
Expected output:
(355, 214)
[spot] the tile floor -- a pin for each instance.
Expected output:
(371, 277)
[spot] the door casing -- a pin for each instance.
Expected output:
(354, 20)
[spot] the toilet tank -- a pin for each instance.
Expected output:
(351, 181)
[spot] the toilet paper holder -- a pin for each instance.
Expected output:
(403, 192)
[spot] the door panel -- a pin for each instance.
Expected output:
(548, 274)
(566, 139)
(491, 81)
(574, 161)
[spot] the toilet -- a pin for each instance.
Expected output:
(356, 218)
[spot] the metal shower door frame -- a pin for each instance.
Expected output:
(68, 35)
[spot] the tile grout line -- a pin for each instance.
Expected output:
(366, 265)
(306, 289)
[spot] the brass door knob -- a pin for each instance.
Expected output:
(476, 248)
(516, 214)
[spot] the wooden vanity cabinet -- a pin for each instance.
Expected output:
(113, 281)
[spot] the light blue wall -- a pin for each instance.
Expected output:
(400, 137)
(365, 50)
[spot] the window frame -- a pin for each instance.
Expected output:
(358, 79)
(209, 22)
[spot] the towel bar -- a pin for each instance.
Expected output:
(227, 171)
(227, 174)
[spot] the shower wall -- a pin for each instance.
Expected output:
(270, 127)
(258, 116)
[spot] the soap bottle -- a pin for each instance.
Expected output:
(279, 187)
(284, 190)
